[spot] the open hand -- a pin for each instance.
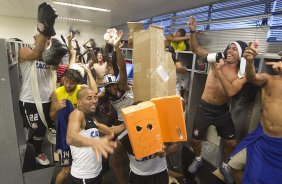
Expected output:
(116, 41)
(103, 146)
(276, 66)
(192, 23)
(251, 51)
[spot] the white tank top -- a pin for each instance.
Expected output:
(124, 101)
(84, 164)
(44, 78)
(147, 165)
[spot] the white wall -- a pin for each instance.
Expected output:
(23, 28)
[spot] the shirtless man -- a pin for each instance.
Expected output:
(261, 151)
(102, 68)
(222, 82)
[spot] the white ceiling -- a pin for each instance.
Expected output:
(122, 10)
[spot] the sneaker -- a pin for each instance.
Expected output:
(227, 174)
(42, 159)
(195, 165)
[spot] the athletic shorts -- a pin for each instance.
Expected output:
(65, 158)
(159, 178)
(31, 117)
(96, 180)
(217, 115)
(238, 161)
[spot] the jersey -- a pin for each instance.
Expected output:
(124, 99)
(84, 164)
(44, 78)
(146, 166)
(62, 94)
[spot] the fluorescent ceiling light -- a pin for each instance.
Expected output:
(73, 19)
(81, 6)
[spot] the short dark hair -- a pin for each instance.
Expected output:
(73, 75)
(182, 31)
(80, 92)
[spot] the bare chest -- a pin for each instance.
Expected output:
(101, 69)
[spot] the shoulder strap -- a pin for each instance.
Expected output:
(36, 94)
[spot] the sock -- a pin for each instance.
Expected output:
(199, 158)
(36, 142)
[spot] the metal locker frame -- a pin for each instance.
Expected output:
(12, 133)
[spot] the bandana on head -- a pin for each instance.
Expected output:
(241, 46)
(77, 68)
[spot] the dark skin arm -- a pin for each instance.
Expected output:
(93, 58)
(168, 150)
(122, 83)
(171, 37)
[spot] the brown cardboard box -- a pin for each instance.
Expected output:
(154, 70)
(133, 27)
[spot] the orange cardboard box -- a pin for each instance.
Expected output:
(171, 118)
(143, 128)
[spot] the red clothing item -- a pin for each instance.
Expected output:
(60, 72)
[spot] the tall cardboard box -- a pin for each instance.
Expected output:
(154, 70)
(143, 128)
(133, 27)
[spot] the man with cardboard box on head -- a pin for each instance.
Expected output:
(224, 80)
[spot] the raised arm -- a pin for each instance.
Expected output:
(100, 146)
(28, 54)
(46, 17)
(170, 37)
(70, 37)
(84, 45)
(90, 78)
(122, 83)
(201, 52)
(93, 58)
(252, 77)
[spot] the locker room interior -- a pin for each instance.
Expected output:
(219, 23)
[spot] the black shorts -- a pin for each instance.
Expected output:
(31, 117)
(65, 158)
(217, 115)
(96, 180)
(159, 178)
